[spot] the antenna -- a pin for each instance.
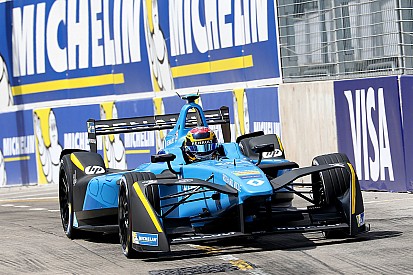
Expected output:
(190, 97)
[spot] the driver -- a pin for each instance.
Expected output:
(200, 144)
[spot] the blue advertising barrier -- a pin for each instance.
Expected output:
(17, 150)
(369, 129)
(55, 50)
(406, 92)
(31, 146)
(56, 129)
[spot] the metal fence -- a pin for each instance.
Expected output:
(335, 39)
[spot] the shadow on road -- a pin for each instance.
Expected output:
(287, 242)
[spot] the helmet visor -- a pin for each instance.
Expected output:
(202, 148)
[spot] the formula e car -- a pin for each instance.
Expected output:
(241, 190)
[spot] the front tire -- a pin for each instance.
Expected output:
(66, 197)
(125, 221)
(125, 212)
(329, 185)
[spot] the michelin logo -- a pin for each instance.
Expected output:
(360, 219)
(145, 239)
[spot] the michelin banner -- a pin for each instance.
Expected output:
(369, 127)
(17, 149)
(30, 150)
(66, 49)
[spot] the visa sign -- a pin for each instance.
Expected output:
(364, 132)
(369, 130)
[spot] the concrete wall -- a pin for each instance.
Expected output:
(308, 120)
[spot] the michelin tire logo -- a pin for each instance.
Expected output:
(145, 239)
(360, 219)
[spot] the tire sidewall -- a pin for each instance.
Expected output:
(66, 167)
(124, 190)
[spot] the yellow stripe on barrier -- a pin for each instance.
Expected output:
(213, 66)
(353, 188)
(148, 207)
(76, 162)
(16, 158)
(72, 83)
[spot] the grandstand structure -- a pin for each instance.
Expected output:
(337, 39)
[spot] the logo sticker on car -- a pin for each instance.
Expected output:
(94, 170)
(360, 219)
(145, 239)
(248, 174)
(255, 182)
(272, 154)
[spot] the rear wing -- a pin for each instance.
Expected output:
(152, 123)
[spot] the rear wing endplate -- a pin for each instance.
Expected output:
(152, 123)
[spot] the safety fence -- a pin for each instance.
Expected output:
(337, 39)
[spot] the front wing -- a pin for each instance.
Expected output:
(150, 234)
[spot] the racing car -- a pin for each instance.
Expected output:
(197, 189)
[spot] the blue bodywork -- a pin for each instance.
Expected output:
(231, 168)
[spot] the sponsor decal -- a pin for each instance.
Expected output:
(273, 154)
(184, 181)
(248, 174)
(360, 219)
(149, 182)
(337, 165)
(94, 170)
(203, 237)
(90, 127)
(231, 182)
(145, 239)
(255, 182)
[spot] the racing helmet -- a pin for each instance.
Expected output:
(200, 144)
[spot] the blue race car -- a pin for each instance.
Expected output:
(197, 189)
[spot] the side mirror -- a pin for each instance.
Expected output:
(162, 158)
(261, 148)
(165, 158)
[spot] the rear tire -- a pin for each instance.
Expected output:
(66, 197)
(329, 185)
(125, 210)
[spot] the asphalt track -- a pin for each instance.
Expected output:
(32, 242)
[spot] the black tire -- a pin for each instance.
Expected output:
(66, 197)
(124, 209)
(328, 185)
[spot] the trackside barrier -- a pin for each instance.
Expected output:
(31, 141)
(373, 130)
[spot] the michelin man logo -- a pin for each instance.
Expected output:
(114, 149)
(159, 109)
(3, 176)
(6, 98)
(241, 114)
(48, 147)
(162, 79)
